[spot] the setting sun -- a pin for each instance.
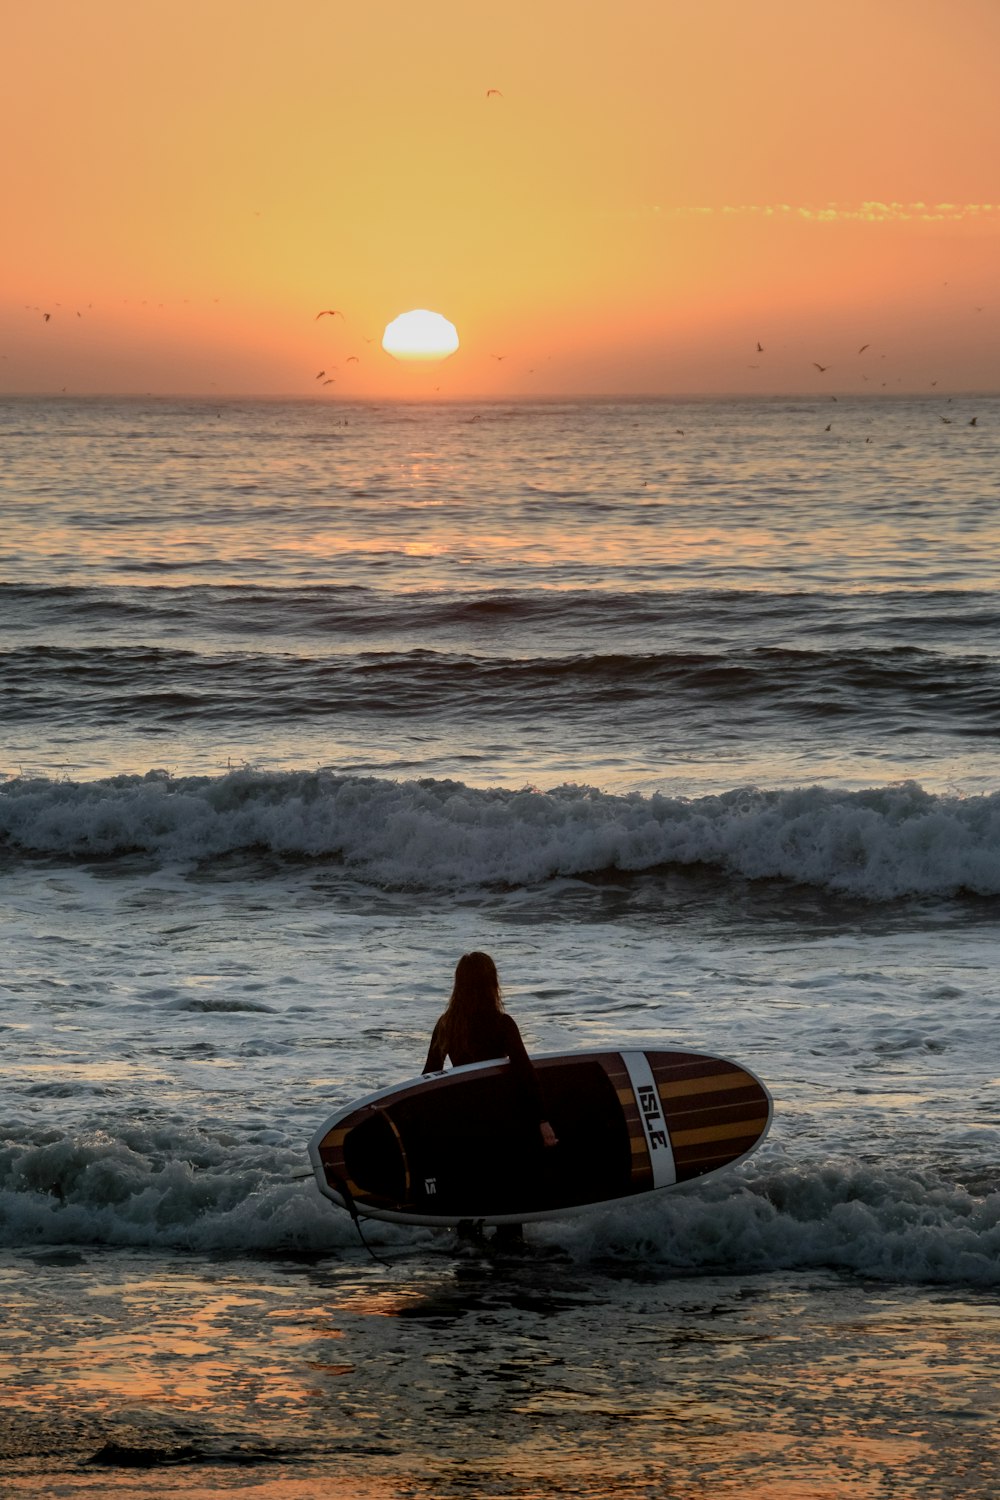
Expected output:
(420, 335)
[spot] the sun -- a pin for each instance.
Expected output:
(420, 335)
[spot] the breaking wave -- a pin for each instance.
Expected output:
(879, 844)
(195, 1193)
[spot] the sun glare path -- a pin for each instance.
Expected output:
(420, 335)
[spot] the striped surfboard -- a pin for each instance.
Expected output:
(456, 1145)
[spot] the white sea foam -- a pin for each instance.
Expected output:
(890, 1225)
(94, 1188)
(879, 844)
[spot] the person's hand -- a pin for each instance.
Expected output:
(549, 1137)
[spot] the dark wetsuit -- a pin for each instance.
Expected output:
(498, 1037)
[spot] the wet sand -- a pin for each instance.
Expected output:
(130, 1374)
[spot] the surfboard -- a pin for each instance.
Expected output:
(456, 1145)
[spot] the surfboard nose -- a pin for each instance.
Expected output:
(365, 1152)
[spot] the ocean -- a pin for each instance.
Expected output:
(687, 712)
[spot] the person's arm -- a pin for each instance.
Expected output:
(527, 1079)
(436, 1053)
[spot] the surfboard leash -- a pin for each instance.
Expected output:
(352, 1209)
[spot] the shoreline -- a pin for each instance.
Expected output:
(127, 1373)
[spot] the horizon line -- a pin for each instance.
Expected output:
(528, 398)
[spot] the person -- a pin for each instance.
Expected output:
(475, 1028)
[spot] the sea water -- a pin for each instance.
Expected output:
(688, 714)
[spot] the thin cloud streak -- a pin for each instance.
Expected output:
(869, 212)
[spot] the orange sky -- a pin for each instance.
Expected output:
(661, 185)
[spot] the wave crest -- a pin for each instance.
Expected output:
(190, 1192)
(878, 844)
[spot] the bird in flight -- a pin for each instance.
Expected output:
(320, 375)
(499, 356)
(863, 348)
(974, 421)
(352, 359)
(490, 93)
(328, 312)
(821, 368)
(760, 347)
(330, 381)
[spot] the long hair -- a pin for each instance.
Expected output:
(475, 1000)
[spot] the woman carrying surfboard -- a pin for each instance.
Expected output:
(461, 1147)
(476, 1028)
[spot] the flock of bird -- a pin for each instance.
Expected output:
(336, 312)
(352, 359)
(824, 368)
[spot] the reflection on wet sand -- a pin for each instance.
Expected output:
(128, 1374)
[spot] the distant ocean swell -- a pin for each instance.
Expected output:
(256, 610)
(880, 844)
(892, 690)
(136, 1189)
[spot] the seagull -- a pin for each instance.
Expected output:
(863, 348)
(760, 347)
(320, 375)
(490, 93)
(330, 381)
(328, 312)
(499, 356)
(974, 421)
(352, 359)
(46, 316)
(821, 368)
